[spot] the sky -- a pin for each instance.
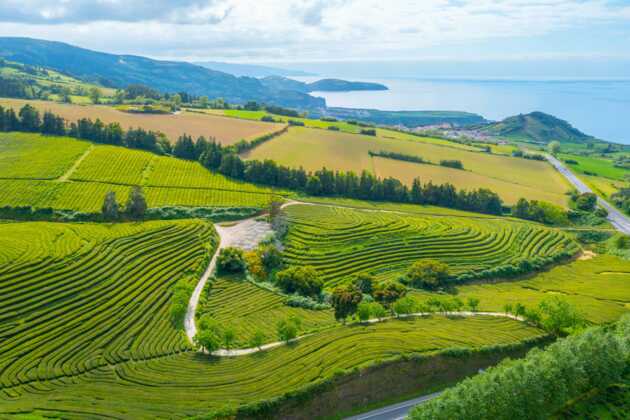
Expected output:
(558, 38)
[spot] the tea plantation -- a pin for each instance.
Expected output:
(341, 242)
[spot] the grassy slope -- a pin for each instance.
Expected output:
(342, 242)
(512, 177)
(225, 130)
(601, 167)
(34, 169)
(599, 288)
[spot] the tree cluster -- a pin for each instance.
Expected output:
(540, 384)
(135, 207)
(540, 211)
(397, 156)
(29, 119)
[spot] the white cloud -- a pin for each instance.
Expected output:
(285, 30)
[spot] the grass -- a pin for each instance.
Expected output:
(68, 174)
(394, 207)
(510, 177)
(188, 384)
(246, 308)
(342, 242)
(224, 130)
(599, 288)
(595, 165)
(39, 151)
(603, 186)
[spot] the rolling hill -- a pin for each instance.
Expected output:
(537, 127)
(168, 76)
(323, 85)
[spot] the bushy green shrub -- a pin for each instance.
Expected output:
(230, 261)
(303, 280)
(427, 274)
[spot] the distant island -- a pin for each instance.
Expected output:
(323, 85)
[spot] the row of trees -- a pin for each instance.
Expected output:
(225, 159)
(540, 211)
(540, 384)
(29, 119)
(134, 209)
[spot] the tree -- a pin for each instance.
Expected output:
(229, 336)
(231, 261)
(521, 209)
(554, 147)
(473, 304)
(519, 309)
(622, 242)
(364, 282)
(258, 339)
(388, 292)
(209, 336)
(185, 148)
(507, 308)
(559, 317)
(95, 95)
(377, 310)
(29, 119)
(364, 310)
(405, 306)
(109, 210)
(303, 280)
(586, 201)
(255, 266)
(176, 100)
(204, 102)
(345, 300)
(288, 329)
(427, 274)
(270, 256)
(136, 203)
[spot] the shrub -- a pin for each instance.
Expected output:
(368, 132)
(179, 302)
(333, 128)
(298, 301)
(230, 261)
(622, 242)
(210, 335)
(586, 201)
(405, 306)
(427, 274)
(288, 329)
(377, 310)
(136, 204)
(110, 207)
(345, 300)
(388, 292)
(364, 311)
(303, 280)
(364, 282)
(457, 164)
(296, 123)
(267, 118)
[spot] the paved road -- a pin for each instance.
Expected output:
(396, 411)
(616, 218)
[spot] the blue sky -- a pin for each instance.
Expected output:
(586, 38)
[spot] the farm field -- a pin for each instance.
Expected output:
(343, 126)
(603, 186)
(224, 130)
(245, 307)
(314, 149)
(188, 384)
(599, 288)
(394, 207)
(342, 242)
(68, 174)
(599, 166)
(79, 298)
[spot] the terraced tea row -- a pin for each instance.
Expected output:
(102, 299)
(190, 384)
(69, 174)
(247, 308)
(342, 242)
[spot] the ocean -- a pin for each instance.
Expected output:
(600, 108)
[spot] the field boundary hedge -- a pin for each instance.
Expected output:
(378, 381)
(48, 214)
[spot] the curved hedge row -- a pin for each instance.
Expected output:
(188, 384)
(100, 300)
(341, 242)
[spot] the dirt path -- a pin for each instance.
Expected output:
(75, 165)
(245, 234)
(252, 350)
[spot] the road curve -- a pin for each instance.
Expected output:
(616, 218)
(395, 411)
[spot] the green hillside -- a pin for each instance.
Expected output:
(537, 127)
